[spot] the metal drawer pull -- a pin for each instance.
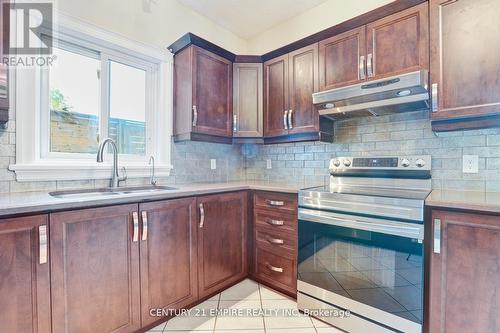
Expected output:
(369, 65)
(135, 218)
(275, 203)
(275, 222)
(275, 241)
(273, 268)
(42, 241)
(202, 215)
(195, 115)
(434, 97)
(437, 236)
(290, 119)
(285, 120)
(235, 123)
(362, 73)
(144, 225)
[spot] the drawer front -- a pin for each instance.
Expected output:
(276, 220)
(283, 244)
(279, 201)
(276, 270)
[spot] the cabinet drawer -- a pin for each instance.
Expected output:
(276, 270)
(283, 244)
(279, 201)
(276, 220)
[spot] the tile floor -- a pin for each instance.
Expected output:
(243, 297)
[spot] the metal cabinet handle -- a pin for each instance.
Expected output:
(202, 215)
(135, 219)
(235, 123)
(273, 268)
(285, 120)
(437, 236)
(42, 241)
(434, 97)
(144, 225)
(275, 203)
(195, 115)
(290, 119)
(275, 241)
(362, 70)
(275, 222)
(369, 65)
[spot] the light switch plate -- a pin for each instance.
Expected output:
(470, 164)
(269, 164)
(213, 164)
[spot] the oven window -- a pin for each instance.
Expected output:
(383, 271)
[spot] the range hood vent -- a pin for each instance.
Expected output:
(402, 93)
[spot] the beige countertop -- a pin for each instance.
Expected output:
(41, 202)
(467, 200)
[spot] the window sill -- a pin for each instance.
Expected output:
(46, 171)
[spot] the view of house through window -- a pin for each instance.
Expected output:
(76, 92)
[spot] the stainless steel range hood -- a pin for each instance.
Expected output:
(402, 93)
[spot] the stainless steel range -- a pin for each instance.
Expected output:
(361, 244)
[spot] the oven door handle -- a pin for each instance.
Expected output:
(402, 229)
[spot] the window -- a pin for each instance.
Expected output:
(101, 85)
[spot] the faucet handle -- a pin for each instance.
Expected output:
(124, 177)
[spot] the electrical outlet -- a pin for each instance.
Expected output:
(269, 164)
(471, 164)
(213, 164)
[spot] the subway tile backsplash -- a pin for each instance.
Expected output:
(400, 134)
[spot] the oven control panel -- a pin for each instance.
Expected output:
(422, 162)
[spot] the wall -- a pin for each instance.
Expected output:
(400, 134)
(329, 13)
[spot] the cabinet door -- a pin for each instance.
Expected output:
(465, 275)
(24, 275)
(398, 43)
(247, 100)
(95, 270)
(276, 96)
(303, 82)
(168, 256)
(222, 241)
(212, 93)
(342, 59)
(465, 45)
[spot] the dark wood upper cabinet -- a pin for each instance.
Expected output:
(169, 277)
(465, 274)
(203, 100)
(341, 59)
(222, 241)
(24, 275)
(303, 82)
(276, 96)
(95, 270)
(398, 43)
(465, 63)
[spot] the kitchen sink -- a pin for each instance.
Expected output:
(105, 192)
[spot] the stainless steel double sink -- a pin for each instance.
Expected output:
(106, 192)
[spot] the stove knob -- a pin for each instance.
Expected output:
(420, 163)
(336, 163)
(405, 163)
(347, 163)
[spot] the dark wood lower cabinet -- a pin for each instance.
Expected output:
(169, 277)
(95, 271)
(464, 292)
(24, 277)
(222, 247)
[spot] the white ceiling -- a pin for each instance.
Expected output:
(247, 18)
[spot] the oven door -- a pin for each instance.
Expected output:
(369, 266)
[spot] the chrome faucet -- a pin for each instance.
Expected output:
(115, 177)
(151, 162)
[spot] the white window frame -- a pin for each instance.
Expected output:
(34, 162)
